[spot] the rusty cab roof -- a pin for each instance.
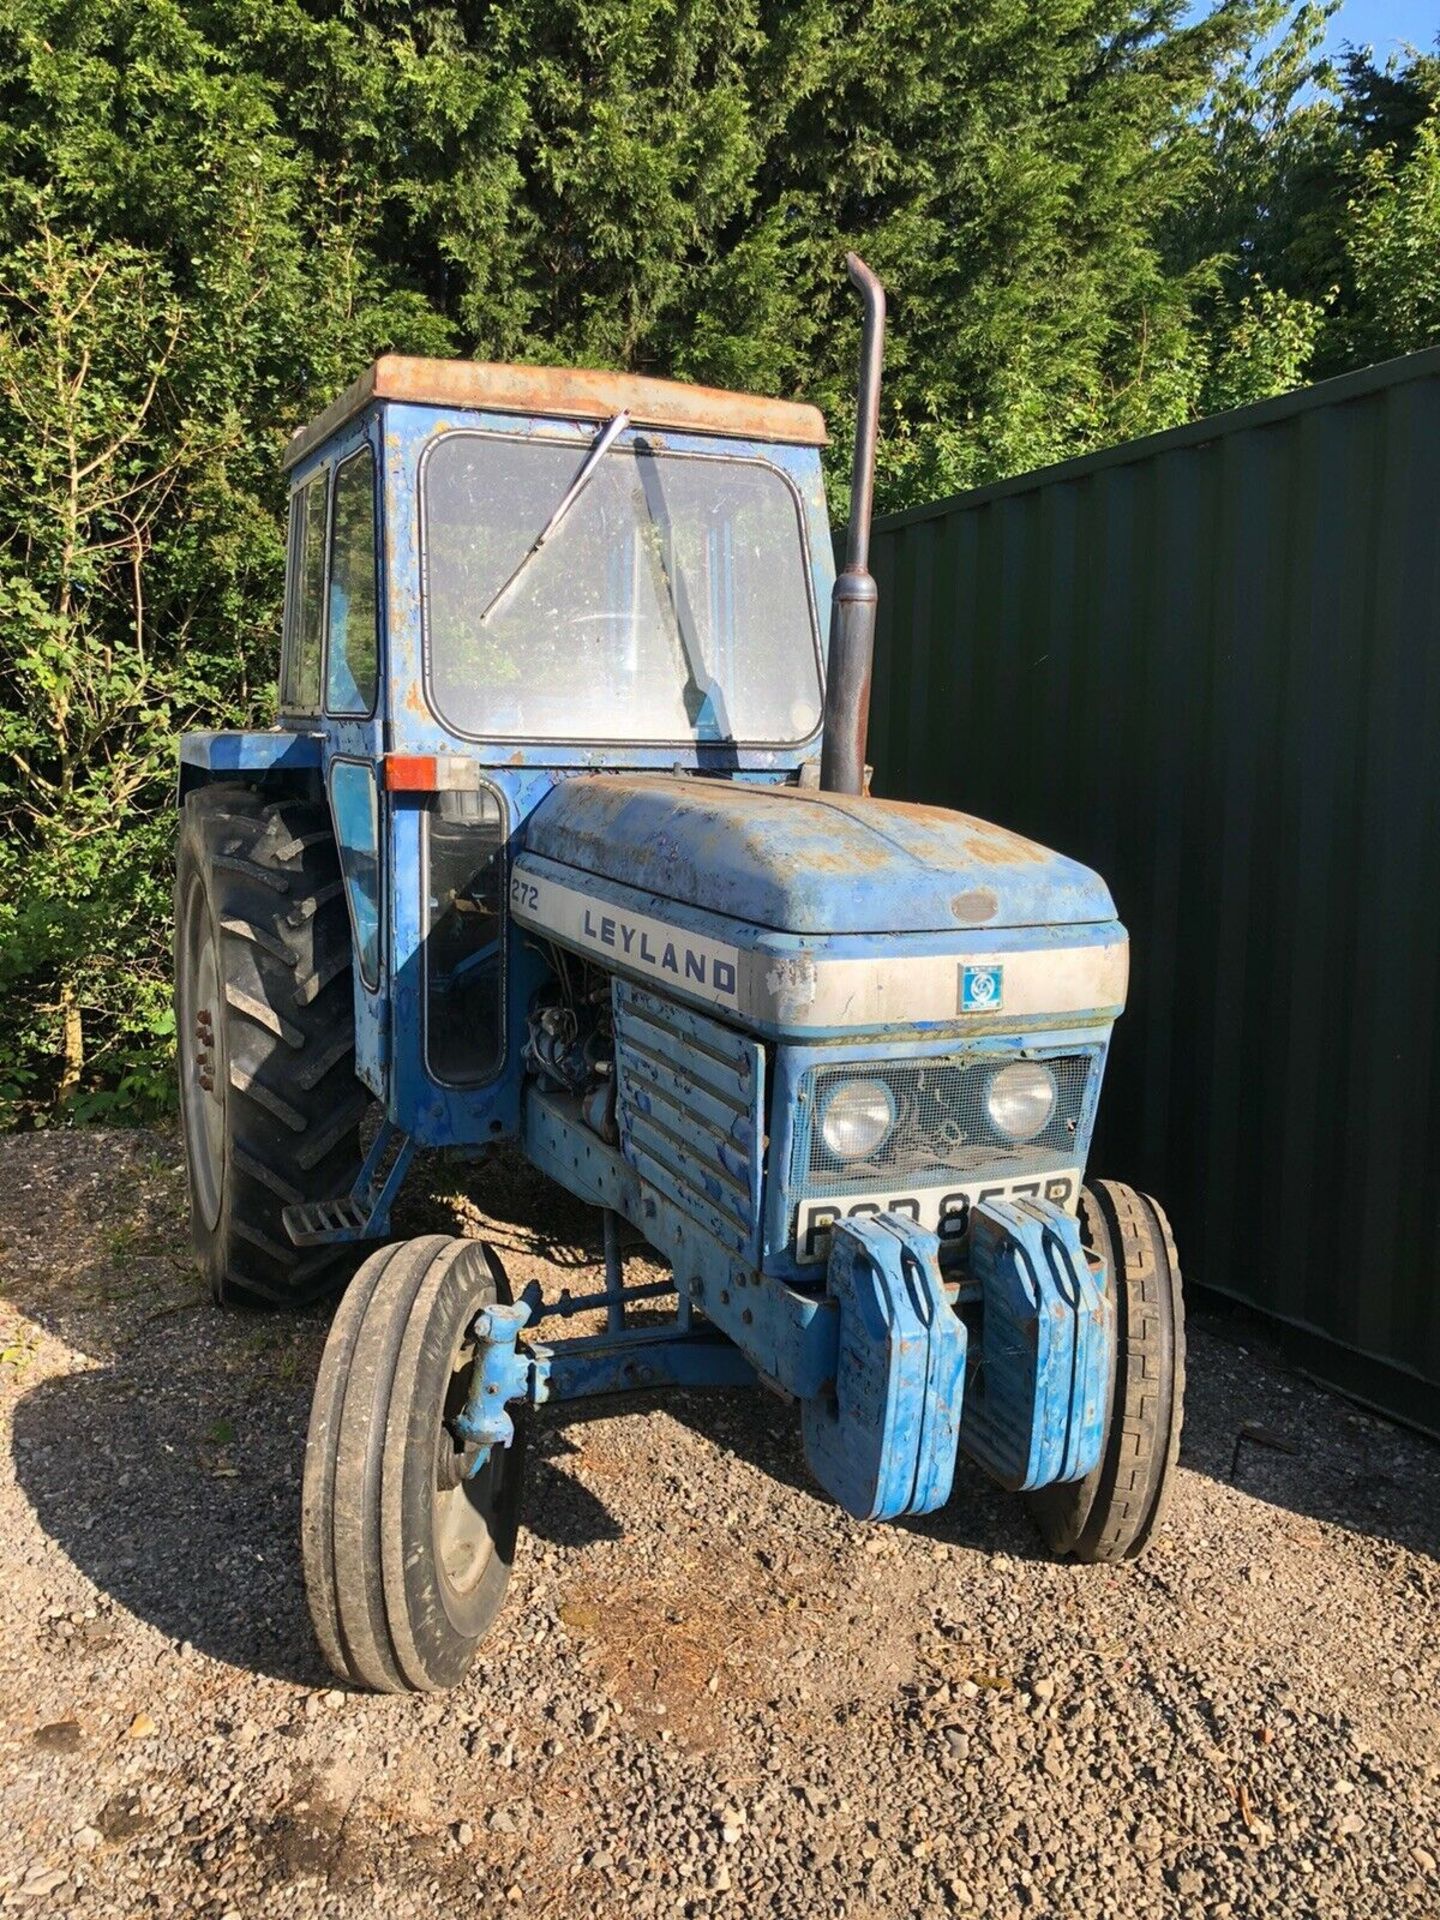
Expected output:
(566, 393)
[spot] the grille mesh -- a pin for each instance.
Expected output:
(689, 1091)
(942, 1129)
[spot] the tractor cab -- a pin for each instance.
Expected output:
(501, 578)
(563, 837)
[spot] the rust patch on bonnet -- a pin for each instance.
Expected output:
(990, 853)
(994, 846)
(850, 858)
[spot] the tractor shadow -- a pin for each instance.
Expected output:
(159, 1441)
(174, 1487)
(766, 1434)
(1253, 1424)
(203, 1541)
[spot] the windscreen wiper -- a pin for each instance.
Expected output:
(603, 439)
(695, 695)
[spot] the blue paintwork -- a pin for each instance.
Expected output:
(641, 1358)
(675, 1068)
(263, 751)
(1038, 1412)
(711, 1118)
(787, 1333)
(795, 860)
(884, 1444)
(501, 1373)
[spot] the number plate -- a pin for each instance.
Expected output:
(945, 1210)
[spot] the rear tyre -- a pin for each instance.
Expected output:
(407, 1556)
(265, 1021)
(1112, 1513)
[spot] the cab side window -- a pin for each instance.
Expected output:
(300, 680)
(350, 671)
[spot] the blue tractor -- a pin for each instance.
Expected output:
(564, 838)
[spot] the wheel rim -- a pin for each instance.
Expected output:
(202, 1081)
(463, 1506)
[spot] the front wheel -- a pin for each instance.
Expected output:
(407, 1553)
(1112, 1513)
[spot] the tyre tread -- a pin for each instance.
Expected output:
(1114, 1513)
(369, 1446)
(293, 1102)
(317, 1500)
(359, 1464)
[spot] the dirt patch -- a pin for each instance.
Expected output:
(663, 1656)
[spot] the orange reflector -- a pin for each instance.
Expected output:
(411, 773)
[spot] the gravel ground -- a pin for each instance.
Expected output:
(711, 1693)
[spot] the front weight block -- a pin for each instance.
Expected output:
(1036, 1405)
(884, 1443)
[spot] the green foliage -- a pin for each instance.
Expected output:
(1096, 218)
(1268, 339)
(1321, 211)
(182, 284)
(1393, 244)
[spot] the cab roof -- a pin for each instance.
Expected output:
(566, 393)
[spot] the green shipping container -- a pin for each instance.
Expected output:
(1208, 664)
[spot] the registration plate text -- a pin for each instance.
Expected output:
(944, 1210)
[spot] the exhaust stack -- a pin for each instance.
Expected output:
(852, 609)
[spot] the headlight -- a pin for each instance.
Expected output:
(1020, 1099)
(856, 1118)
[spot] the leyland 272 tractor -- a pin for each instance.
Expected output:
(565, 838)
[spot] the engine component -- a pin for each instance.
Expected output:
(570, 1043)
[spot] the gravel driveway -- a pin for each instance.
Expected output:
(712, 1693)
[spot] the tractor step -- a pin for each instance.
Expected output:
(319, 1222)
(364, 1212)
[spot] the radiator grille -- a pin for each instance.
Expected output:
(942, 1130)
(688, 1093)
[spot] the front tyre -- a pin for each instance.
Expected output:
(407, 1554)
(265, 1022)
(1112, 1513)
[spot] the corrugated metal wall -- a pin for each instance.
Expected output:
(1208, 664)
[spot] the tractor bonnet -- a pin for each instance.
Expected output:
(801, 861)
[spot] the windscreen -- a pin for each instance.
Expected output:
(670, 603)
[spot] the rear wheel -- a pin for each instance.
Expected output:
(407, 1552)
(1112, 1513)
(270, 1106)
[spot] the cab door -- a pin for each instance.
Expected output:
(351, 719)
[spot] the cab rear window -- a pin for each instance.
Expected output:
(305, 621)
(351, 653)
